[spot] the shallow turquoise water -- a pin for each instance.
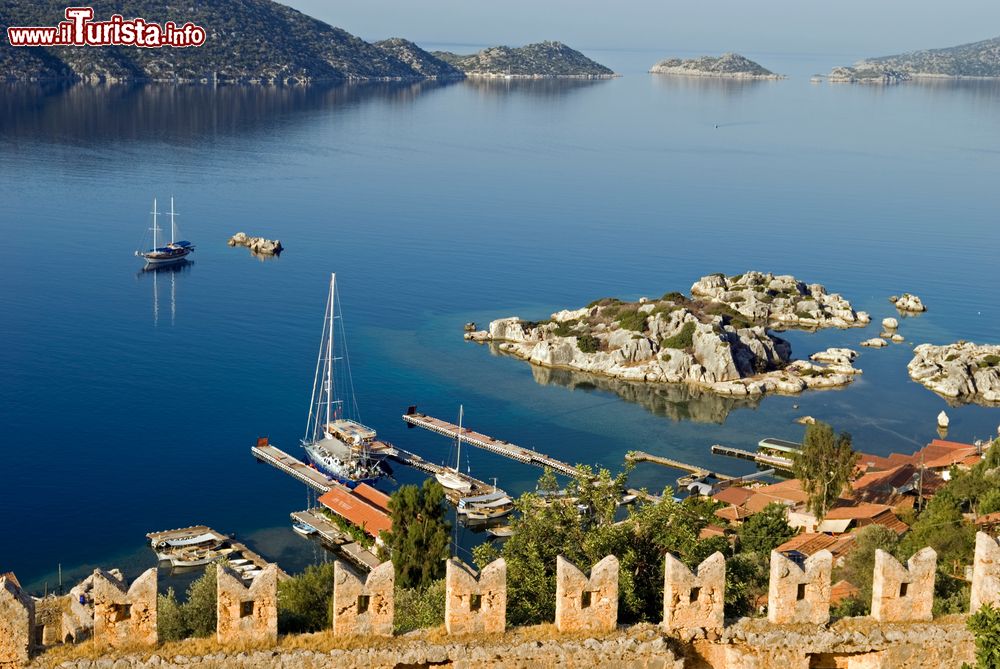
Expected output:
(130, 405)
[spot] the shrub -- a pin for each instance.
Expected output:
(565, 328)
(588, 343)
(675, 297)
(683, 339)
(604, 301)
(419, 608)
(803, 314)
(305, 601)
(989, 361)
(170, 622)
(985, 626)
(633, 320)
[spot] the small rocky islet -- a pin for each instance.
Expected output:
(975, 60)
(548, 59)
(717, 339)
(726, 66)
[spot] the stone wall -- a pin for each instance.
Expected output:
(587, 604)
(475, 604)
(17, 619)
(986, 573)
(363, 607)
(124, 616)
(694, 599)
(799, 594)
(247, 614)
(903, 593)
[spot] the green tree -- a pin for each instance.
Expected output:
(764, 531)
(859, 565)
(942, 526)
(305, 600)
(985, 626)
(419, 540)
(824, 466)
(170, 622)
(199, 609)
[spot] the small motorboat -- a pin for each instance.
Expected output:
(501, 531)
(251, 575)
(305, 529)
(238, 561)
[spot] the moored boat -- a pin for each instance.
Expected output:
(173, 252)
(305, 529)
(451, 478)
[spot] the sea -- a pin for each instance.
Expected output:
(130, 399)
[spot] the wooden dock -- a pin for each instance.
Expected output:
(241, 548)
(776, 461)
(488, 443)
(409, 459)
(292, 466)
(333, 537)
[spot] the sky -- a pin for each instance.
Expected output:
(849, 27)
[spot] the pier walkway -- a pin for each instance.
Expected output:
(776, 461)
(239, 547)
(488, 443)
(333, 537)
(699, 472)
(294, 467)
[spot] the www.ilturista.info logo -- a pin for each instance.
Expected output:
(79, 30)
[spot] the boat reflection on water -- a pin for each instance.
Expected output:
(164, 273)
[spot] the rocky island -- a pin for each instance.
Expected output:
(976, 60)
(241, 47)
(717, 339)
(257, 245)
(727, 66)
(963, 371)
(533, 61)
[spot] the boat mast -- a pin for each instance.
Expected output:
(173, 228)
(458, 455)
(155, 227)
(329, 350)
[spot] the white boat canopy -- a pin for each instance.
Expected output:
(191, 541)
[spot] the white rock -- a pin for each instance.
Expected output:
(875, 342)
(942, 419)
(909, 302)
(890, 323)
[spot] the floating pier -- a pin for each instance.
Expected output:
(333, 537)
(241, 548)
(775, 461)
(488, 443)
(292, 466)
(409, 459)
(696, 471)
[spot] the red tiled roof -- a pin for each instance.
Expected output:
(810, 543)
(842, 590)
(710, 531)
(372, 496)
(939, 454)
(989, 519)
(733, 514)
(733, 495)
(856, 511)
(356, 510)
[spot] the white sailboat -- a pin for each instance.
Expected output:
(173, 252)
(450, 478)
(338, 447)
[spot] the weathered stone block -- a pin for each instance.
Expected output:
(247, 614)
(587, 604)
(475, 604)
(694, 599)
(363, 607)
(985, 573)
(124, 616)
(901, 593)
(17, 619)
(799, 594)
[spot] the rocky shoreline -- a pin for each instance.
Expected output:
(717, 339)
(963, 371)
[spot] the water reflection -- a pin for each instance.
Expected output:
(678, 402)
(713, 85)
(178, 113)
(538, 88)
(169, 273)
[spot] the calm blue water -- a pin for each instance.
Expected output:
(129, 401)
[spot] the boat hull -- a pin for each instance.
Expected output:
(158, 260)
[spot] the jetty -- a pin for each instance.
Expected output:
(333, 537)
(181, 533)
(277, 458)
(695, 472)
(479, 440)
(775, 461)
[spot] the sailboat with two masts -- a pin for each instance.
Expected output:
(173, 252)
(340, 447)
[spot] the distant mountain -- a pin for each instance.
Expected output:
(248, 41)
(544, 59)
(977, 59)
(421, 61)
(728, 65)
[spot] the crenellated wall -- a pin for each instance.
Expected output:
(796, 635)
(124, 616)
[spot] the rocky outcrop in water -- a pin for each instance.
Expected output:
(727, 66)
(257, 245)
(717, 339)
(866, 74)
(909, 303)
(978, 60)
(963, 371)
(541, 60)
(422, 62)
